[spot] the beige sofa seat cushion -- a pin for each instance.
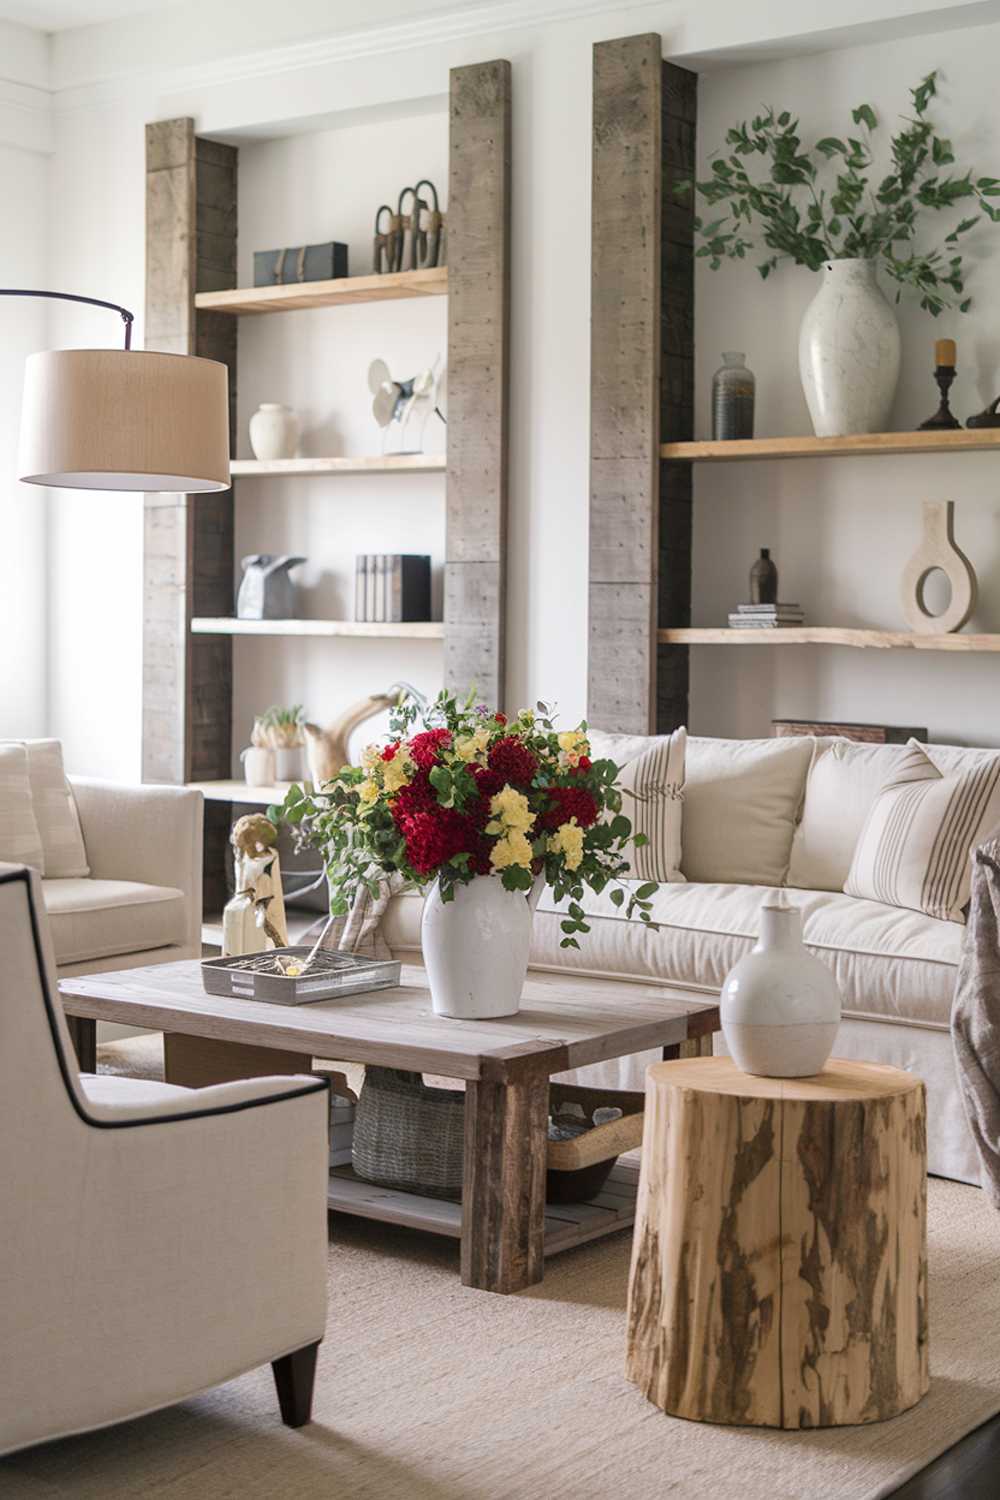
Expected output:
(889, 962)
(101, 918)
(741, 803)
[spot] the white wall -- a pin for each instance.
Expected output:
(310, 66)
(23, 262)
(842, 530)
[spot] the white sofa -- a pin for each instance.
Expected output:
(758, 815)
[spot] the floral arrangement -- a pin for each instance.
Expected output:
(855, 213)
(473, 794)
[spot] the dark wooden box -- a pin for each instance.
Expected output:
(300, 263)
(866, 734)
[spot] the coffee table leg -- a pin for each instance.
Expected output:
(503, 1201)
(83, 1035)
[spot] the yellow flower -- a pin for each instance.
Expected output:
(510, 811)
(512, 849)
(368, 792)
(473, 746)
(572, 741)
(371, 755)
(396, 772)
(568, 841)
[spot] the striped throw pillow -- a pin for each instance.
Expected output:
(914, 850)
(652, 787)
(20, 840)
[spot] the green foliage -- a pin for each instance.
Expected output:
(813, 206)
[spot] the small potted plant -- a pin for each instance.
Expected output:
(832, 209)
(480, 812)
(283, 731)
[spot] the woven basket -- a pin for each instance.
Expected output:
(409, 1136)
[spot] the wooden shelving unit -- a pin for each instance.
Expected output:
(865, 444)
(391, 463)
(828, 635)
(239, 792)
(416, 630)
(343, 291)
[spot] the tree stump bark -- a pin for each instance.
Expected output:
(779, 1266)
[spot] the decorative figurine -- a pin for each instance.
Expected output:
(267, 592)
(938, 549)
(944, 373)
(988, 417)
(398, 401)
(254, 920)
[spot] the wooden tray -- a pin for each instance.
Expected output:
(603, 1142)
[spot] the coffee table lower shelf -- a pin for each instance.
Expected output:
(566, 1224)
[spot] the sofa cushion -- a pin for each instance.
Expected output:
(20, 839)
(914, 850)
(55, 812)
(844, 779)
(741, 803)
(101, 918)
(889, 963)
(652, 787)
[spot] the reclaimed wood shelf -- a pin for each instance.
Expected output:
(417, 630)
(566, 1224)
(339, 292)
(238, 791)
(391, 463)
(859, 445)
(828, 635)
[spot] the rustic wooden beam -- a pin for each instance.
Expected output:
(478, 366)
(503, 1194)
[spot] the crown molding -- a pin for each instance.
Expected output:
(25, 117)
(435, 30)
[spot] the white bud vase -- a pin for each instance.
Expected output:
(476, 948)
(849, 352)
(780, 1006)
(274, 432)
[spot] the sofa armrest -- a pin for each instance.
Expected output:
(149, 834)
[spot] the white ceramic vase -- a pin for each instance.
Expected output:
(258, 765)
(476, 949)
(274, 432)
(288, 763)
(780, 1006)
(849, 352)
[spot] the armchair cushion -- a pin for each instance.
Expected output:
(20, 840)
(92, 919)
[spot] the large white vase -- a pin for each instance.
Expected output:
(780, 1006)
(849, 352)
(476, 949)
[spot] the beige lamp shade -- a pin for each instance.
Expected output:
(125, 419)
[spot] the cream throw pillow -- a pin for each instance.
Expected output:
(652, 788)
(844, 779)
(55, 812)
(914, 850)
(20, 840)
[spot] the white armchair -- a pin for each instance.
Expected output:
(157, 1241)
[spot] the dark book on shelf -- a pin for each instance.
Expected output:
(392, 587)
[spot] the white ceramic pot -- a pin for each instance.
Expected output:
(258, 765)
(780, 1006)
(288, 763)
(476, 949)
(274, 431)
(849, 352)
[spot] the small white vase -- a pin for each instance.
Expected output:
(288, 763)
(476, 949)
(258, 765)
(274, 432)
(849, 352)
(780, 1006)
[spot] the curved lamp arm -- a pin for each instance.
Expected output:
(127, 317)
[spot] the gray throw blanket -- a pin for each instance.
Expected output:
(975, 1016)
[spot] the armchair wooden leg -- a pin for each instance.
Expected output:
(294, 1377)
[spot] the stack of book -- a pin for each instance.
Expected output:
(392, 587)
(765, 616)
(342, 1112)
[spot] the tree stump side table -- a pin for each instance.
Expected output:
(779, 1264)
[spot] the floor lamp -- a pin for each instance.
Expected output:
(123, 419)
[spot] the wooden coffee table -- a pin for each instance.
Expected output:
(565, 1022)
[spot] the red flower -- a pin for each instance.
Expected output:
(513, 760)
(488, 782)
(432, 838)
(425, 747)
(415, 798)
(569, 802)
(389, 753)
(499, 718)
(584, 763)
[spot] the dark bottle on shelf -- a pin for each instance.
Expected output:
(764, 579)
(733, 388)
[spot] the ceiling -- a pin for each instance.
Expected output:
(59, 15)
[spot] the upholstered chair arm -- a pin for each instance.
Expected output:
(220, 1098)
(150, 834)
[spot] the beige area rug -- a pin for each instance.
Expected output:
(427, 1389)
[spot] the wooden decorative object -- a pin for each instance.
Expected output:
(641, 325)
(779, 1266)
(863, 734)
(478, 378)
(938, 550)
(327, 749)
